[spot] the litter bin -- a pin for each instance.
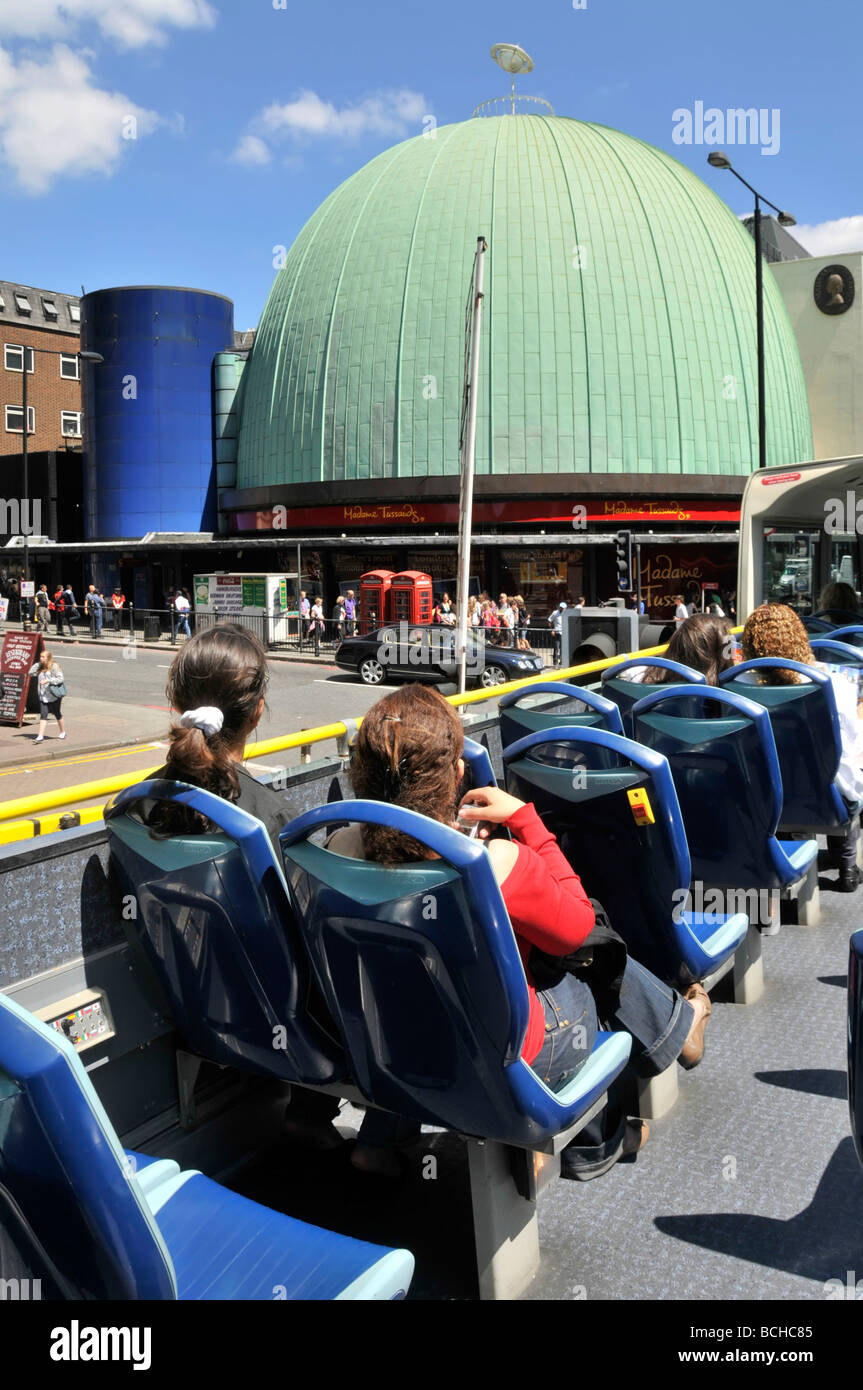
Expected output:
(152, 628)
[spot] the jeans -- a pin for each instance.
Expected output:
(659, 1020)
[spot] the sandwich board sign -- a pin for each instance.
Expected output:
(20, 651)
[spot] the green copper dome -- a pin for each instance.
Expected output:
(618, 326)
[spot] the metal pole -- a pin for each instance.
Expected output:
(759, 298)
(299, 612)
(25, 610)
(469, 454)
(638, 577)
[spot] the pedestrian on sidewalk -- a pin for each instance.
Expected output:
(57, 606)
(317, 628)
(42, 602)
(51, 688)
(94, 608)
(182, 605)
(70, 608)
(350, 613)
(118, 600)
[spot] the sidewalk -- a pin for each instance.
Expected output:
(122, 640)
(120, 726)
(94, 726)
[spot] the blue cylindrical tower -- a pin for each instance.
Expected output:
(149, 408)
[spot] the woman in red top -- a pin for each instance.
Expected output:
(408, 752)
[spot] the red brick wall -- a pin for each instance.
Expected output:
(47, 392)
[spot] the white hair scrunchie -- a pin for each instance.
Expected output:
(208, 719)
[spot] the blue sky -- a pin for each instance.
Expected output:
(180, 141)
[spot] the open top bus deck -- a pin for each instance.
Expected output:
(748, 1189)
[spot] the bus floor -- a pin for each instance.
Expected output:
(748, 1189)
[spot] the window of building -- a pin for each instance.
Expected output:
(70, 423)
(2, 302)
(69, 366)
(15, 416)
(75, 313)
(22, 304)
(49, 309)
(13, 358)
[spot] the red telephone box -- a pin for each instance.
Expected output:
(411, 597)
(374, 599)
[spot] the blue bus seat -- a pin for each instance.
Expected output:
(835, 652)
(478, 764)
(422, 973)
(852, 635)
(855, 1038)
(554, 704)
(805, 727)
(726, 775)
(626, 693)
(818, 625)
(835, 617)
(215, 924)
(104, 1224)
(639, 869)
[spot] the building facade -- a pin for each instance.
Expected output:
(44, 327)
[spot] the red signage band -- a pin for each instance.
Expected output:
(408, 515)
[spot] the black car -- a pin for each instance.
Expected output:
(427, 652)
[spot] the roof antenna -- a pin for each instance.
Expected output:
(514, 60)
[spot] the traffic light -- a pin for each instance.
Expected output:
(623, 561)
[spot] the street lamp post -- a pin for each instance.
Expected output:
(95, 358)
(721, 161)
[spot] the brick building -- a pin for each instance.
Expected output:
(38, 323)
(44, 327)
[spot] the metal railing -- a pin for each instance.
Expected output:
(30, 806)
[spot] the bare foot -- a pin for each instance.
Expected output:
(693, 1049)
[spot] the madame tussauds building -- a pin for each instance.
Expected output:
(617, 381)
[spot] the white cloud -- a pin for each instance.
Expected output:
(251, 150)
(843, 235)
(391, 113)
(130, 23)
(54, 122)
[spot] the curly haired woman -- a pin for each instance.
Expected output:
(775, 630)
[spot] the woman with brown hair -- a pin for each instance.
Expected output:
(838, 596)
(408, 752)
(702, 642)
(774, 629)
(217, 685)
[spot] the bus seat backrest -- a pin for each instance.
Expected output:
(62, 1164)
(549, 704)
(216, 926)
(626, 693)
(638, 870)
(855, 1039)
(727, 779)
(808, 743)
(423, 975)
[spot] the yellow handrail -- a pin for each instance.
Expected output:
(24, 806)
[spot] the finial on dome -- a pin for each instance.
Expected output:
(514, 60)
